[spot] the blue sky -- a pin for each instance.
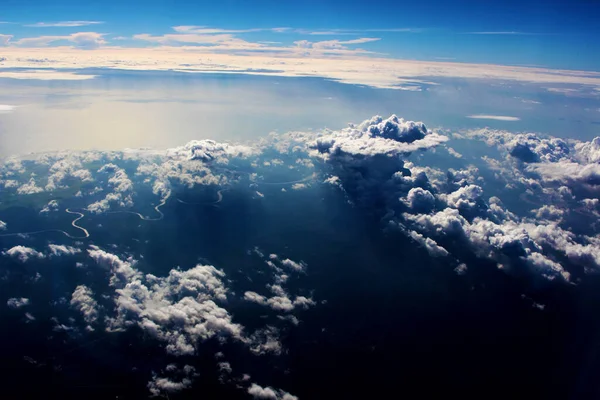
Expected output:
(551, 34)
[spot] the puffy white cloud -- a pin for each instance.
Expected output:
(420, 199)
(16, 302)
(210, 151)
(461, 269)
(429, 244)
(368, 158)
(83, 301)
(568, 172)
(29, 188)
(2, 226)
(265, 341)
(549, 212)
(465, 198)
(552, 169)
(182, 380)
(122, 187)
(196, 163)
(454, 153)
(527, 147)
(9, 183)
(121, 271)
(589, 152)
(447, 221)
(293, 265)
(269, 393)
(464, 176)
(23, 254)
(501, 241)
(61, 249)
(180, 309)
(279, 303)
(376, 136)
(50, 207)
(65, 167)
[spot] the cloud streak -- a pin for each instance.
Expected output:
(494, 117)
(500, 33)
(83, 40)
(63, 24)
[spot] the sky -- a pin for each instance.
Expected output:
(550, 34)
(126, 72)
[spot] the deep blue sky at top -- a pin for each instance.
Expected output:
(564, 34)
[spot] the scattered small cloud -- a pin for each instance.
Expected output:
(16, 302)
(269, 393)
(454, 153)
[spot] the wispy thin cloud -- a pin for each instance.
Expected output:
(205, 30)
(409, 30)
(63, 24)
(230, 40)
(326, 32)
(84, 40)
(333, 44)
(500, 33)
(494, 117)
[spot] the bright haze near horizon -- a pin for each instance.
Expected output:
(299, 200)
